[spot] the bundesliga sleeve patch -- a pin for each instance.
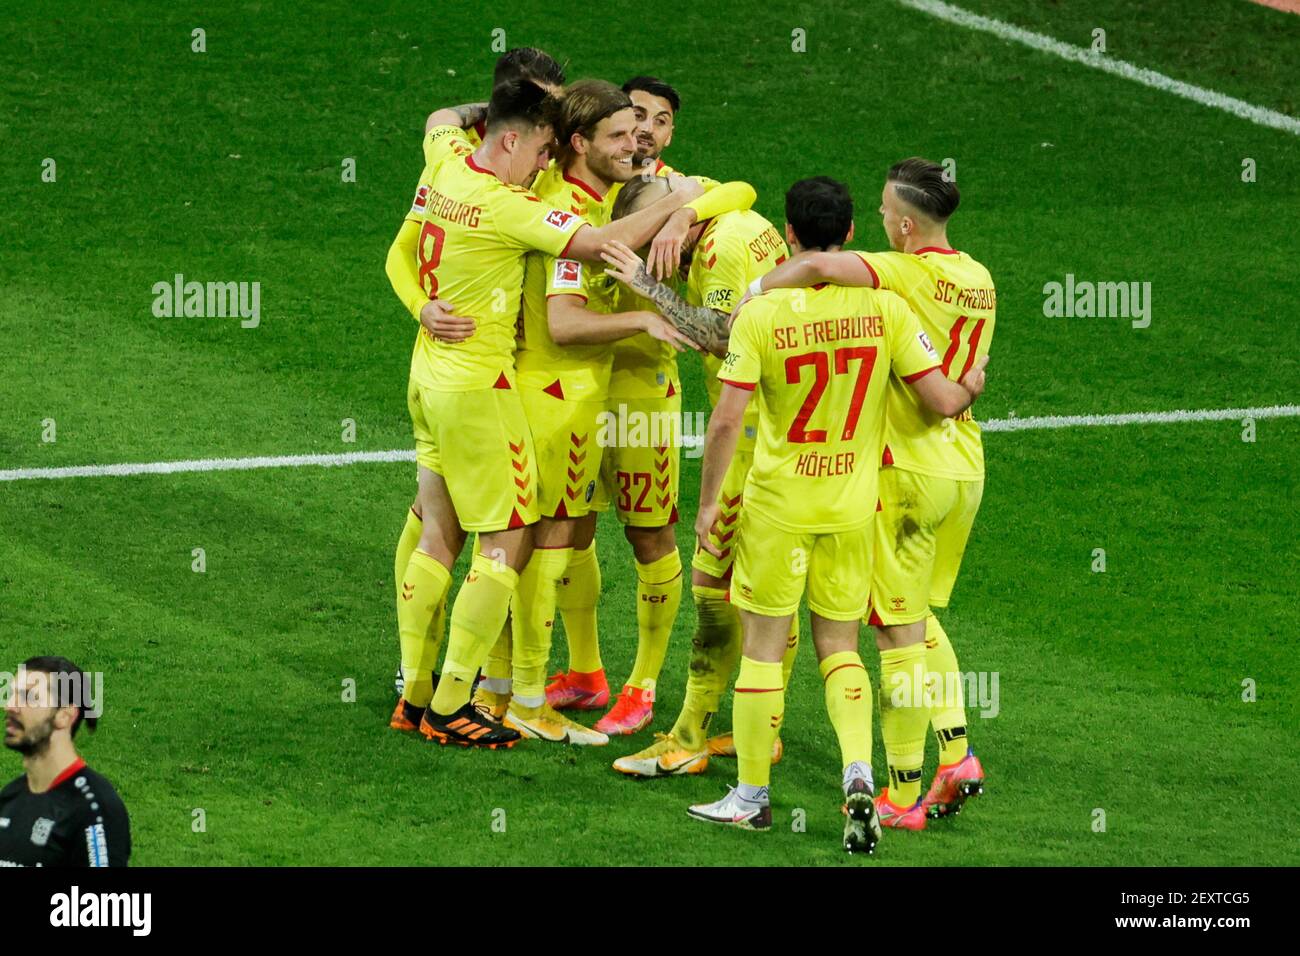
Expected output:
(568, 274)
(420, 200)
(559, 219)
(925, 344)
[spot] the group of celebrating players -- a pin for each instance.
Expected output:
(541, 256)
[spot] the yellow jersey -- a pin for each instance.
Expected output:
(820, 360)
(432, 139)
(474, 233)
(574, 372)
(734, 250)
(954, 298)
(643, 367)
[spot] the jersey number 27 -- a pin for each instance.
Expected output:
(865, 355)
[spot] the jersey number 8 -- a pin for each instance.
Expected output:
(430, 257)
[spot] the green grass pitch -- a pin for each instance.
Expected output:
(1119, 692)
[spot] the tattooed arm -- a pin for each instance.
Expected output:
(706, 327)
(464, 116)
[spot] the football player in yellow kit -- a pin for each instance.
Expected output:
(640, 462)
(727, 253)
(564, 358)
(820, 361)
(930, 486)
(656, 105)
(477, 463)
(521, 63)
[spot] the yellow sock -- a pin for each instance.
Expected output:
(756, 716)
(422, 591)
(904, 715)
(406, 545)
(948, 715)
(498, 668)
(848, 704)
(407, 542)
(476, 620)
(658, 595)
(532, 614)
(714, 652)
(791, 650)
(576, 598)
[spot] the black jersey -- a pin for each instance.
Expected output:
(79, 821)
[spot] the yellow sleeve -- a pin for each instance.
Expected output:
(720, 198)
(895, 271)
(566, 277)
(910, 350)
(400, 266)
(743, 365)
(444, 141)
(525, 221)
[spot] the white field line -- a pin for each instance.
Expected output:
(1105, 63)
(207, 464)
(688, 441)
(1139, 418)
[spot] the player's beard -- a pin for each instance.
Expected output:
(610, 170)
(31, 743)
(645, 155)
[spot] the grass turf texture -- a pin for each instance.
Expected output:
(1119, 691)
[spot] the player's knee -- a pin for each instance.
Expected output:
(650, 544)
(434, 546)
(585, 532)
(511, 548)
(894, 636)
(702, 579)
(554, 533)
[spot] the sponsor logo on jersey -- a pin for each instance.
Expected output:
(96, 846)
(926, 344)
(41, 831)
(720, 299)
(568, 274)
(559, 219)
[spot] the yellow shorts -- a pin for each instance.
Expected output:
(568, 454)
(479, 442)
(726, 531)
(641, 467)
(921, 534)
(774, 567)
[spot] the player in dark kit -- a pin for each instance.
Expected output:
(59, 812)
